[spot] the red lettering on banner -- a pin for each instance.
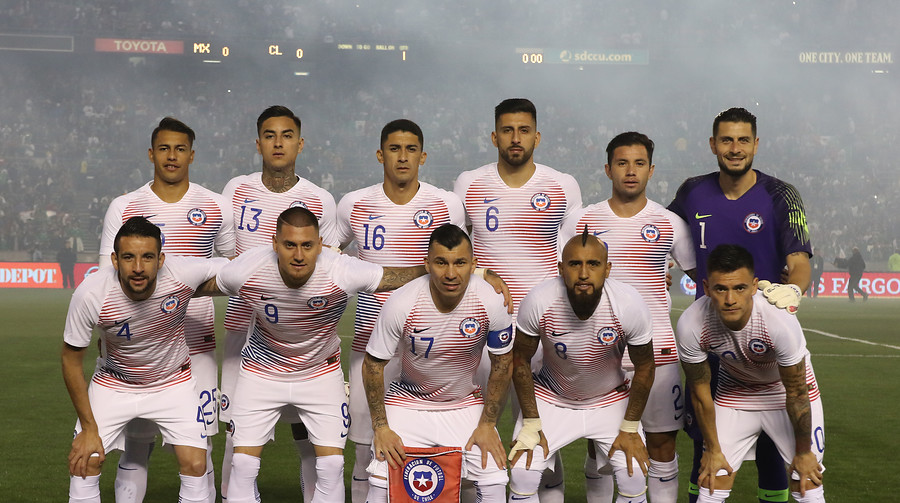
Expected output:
(138, 46)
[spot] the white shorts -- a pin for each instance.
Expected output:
(321, 404)
(665, 404)
(205, 371)
(563, 426)
(739, 429)
(361, 419)
(172, 410)
(441, 428)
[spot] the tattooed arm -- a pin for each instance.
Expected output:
(799, 412)
(697, 378)
(395, 277)
(485, 435)
(387, 444)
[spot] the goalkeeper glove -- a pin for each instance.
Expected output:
(785, 296)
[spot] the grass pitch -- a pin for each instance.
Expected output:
(856, 356)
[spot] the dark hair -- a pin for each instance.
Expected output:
(138, 227)
(404, 125)
(172, 124)
(628, 139)
(735, 114)
(515, 105)
(276, 111)
(729, 258)
(449, 236)
(297, 216)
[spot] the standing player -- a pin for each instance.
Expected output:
(256, 201)
(740, 205)
(439, 325)
(640, 235)
(514, 208)
(584, 322)
(194, 222)
(766, 381)
(292, 358)
(391, 223)
(139, 306)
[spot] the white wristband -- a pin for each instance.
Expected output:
(480, 272)
(629, 426)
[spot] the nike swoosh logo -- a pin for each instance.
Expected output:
(148, 217)
(518, 498)
(597, 233)
(548, 486)
(250, 200)
(265, 297)
(129, 469)
(557, 334)
(117, 323)
(670, 479)
(717, 346)
(489, 201)
(420, 330)
(203, 435)
(343, 435)
(698, 216)
(678, 417)
(360, 480)
(375, 217)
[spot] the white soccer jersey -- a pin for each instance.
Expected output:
(255, 210)
(638, 250)
(294, 334)
(439, 352)
(391, 235)
(582, 360)
(749, 358)
(143, 343)
(515, 230)
(195, 226)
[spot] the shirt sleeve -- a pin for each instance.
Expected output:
(573, 194)
(84, 309)
(687, 334)
(328, 222)
(232, 275)
(455, 209)
(528, 319)
(194, 271)
(389, 326)
(112, 222)
(682, 243)
(500, 331)
(225, 238)
(460, 188)
(677, 206)
(794, 232)
(354, 275)
(634, 315)
(343, 228)
(786, 334)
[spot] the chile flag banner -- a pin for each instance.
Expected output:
(429, 475)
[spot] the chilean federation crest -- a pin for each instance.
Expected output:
(758, 346)
(469, 327)
(317, 302)
(650, 233)
(753, 223)
(169, 304)
(196, 217)
(423, 480)
(607, 336)
(540, 201)
(423, 219)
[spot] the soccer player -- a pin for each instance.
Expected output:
(584, 322)
(256, 200)
(766, 381)
(515, 206)
(439, 325)
(194, 222)
(740, 205)
(292, 359)
(391, 223)
(640, 235)
(139, 307)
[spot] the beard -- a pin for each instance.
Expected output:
(735, 173)
(516, 161)
(584, 304)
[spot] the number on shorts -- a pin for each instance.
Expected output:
(679, 400)
(345, 413)
(207, 398)
(819, 437)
